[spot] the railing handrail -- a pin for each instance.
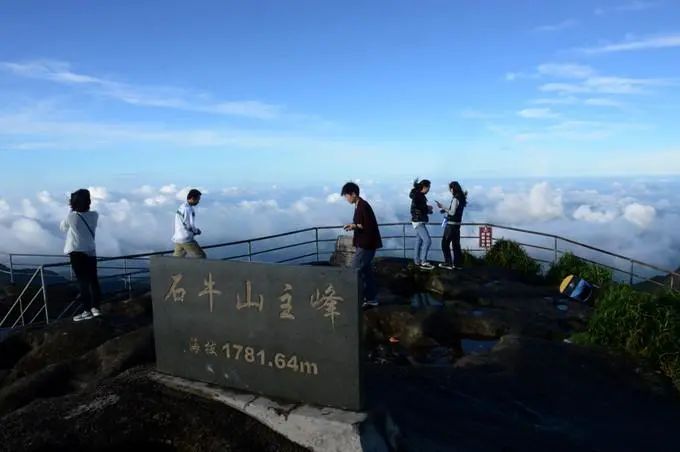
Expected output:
(130, 271)
(309, 229)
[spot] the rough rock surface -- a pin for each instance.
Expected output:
(439, 308)
(133, 411)
(528, 394)
(86, 386)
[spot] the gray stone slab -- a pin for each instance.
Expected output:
(284, 331)
(318, 429)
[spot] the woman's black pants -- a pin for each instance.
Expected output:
(85, 268)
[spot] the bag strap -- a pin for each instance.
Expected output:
(87, 225)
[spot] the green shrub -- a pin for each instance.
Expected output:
(509, 254)
(470, 260)
(569, 264)
(645, 325)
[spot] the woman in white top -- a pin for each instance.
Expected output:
(80, 226)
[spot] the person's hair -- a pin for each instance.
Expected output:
(458, 192)
(193, 193)
(350, 188)
(418, 185)
(80, 200)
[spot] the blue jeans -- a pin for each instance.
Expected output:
(362, 261)
(423, 243)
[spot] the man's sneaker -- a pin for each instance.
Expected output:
(457, 268)
(446, 266)
(85, 315)
(426, 266)
(369, 304)
(95, 312)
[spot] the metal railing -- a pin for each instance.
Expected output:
(309, 245)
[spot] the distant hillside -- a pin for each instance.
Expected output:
(665, 280)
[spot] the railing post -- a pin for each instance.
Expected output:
(250, 251)
(128, 279)
(403, 234)
(316, 232)
(21, 308)
(11, 270)
(632, 264)
(44, 291)
(555, 248)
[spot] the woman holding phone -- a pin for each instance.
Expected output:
(454, 218)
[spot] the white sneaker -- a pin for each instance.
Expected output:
(85, 315)
(426, 266)
(369, 304)
(95, 312)
(446, 266)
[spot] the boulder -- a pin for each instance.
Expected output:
(528, 394)
(132, 412)
(73, 374)
(344, 252)
(59, 342)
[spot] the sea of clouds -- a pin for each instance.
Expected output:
(633, 217)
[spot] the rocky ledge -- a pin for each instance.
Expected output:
(87, 386)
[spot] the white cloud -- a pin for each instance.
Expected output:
(144, 190)
(654, 42)
(606, 85)
(566, 70)
(564, 88)
(565, 100)
(170, 189)
(44, 197)
(333, 198)
(28, 209)
(628, 7)
(587, 213)
(632, 218)
(476, 114)
(181, 194)
(537, 113)
(232, 191)
(148, 96)
(256, 205)
(98, 193)
(29, 234)
(156, 200)
(4, 208)
(639, 214)
(542, 202)
(58, 133)
(603, 102)
(301, 206)
(565, 24)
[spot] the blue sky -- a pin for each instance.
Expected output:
(221, 93)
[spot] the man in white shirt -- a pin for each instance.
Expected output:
(185, 228)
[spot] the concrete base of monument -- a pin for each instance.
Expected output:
(316, 428)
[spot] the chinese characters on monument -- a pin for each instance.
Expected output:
(285, 331)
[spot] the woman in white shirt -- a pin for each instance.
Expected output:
(80, 226)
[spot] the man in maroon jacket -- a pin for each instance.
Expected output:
(367, 241)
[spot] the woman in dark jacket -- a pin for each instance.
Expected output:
(419, 218)
(454, 218)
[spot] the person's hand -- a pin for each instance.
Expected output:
(430, 209)
(349, 227)
(198, 232)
